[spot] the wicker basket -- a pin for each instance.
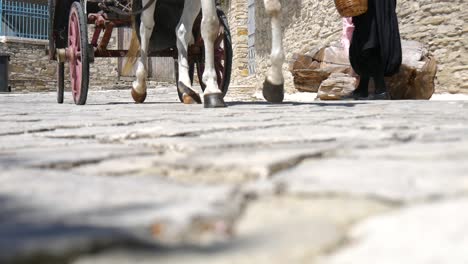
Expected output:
(351, 8)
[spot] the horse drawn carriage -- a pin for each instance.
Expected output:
(71, 43)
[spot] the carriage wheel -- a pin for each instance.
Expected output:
(78, 53)
(60, 81)
(223, 56)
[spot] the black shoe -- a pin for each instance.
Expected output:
(357, 94)
(379, 96)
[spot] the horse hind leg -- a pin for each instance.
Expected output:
(213, 97)
(273, 87)
(184, 39)
(146, 29)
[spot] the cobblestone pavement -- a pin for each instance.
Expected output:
(318, 182)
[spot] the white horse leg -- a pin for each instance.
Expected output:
(184, 39)
(146, 29)
(273, 87)
(213, 97)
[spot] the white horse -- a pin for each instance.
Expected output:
(273, 88)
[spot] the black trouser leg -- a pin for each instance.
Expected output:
(380, 83)
(363, 88)
(381, 92)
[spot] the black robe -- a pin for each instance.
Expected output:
(376, 46)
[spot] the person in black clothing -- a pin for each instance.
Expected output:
(375, 49)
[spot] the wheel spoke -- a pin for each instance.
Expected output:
(219, 54)
(72, 69)
(78, 77)
(219, 40)
(72, 35)
(218, 78)
(219, 66)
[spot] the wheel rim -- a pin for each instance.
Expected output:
(60, 81)
(220, 55)
(75, 55)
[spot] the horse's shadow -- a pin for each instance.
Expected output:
(245, 103)
(292, 103)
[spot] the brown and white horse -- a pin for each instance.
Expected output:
(273, 88)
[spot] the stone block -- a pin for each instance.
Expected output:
(415, 79)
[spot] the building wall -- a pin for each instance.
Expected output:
(29, 67)
(237, 13)
(31, 70)
(309, 24)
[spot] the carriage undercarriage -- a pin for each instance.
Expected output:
(69, 42)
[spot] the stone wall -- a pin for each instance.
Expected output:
(310, 24)
(31, 70)
(237, 14)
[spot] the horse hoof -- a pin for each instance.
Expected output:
(273, 93)
(139, 98)
(189, 96)
(214, 100)
(191, 99)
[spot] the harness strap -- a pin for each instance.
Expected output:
(123, 13)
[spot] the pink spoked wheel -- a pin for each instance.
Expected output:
(223, 56)
(60, 65)
(77, 53)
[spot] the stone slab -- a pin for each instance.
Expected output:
(274, 230)
(400, 173)
(61, 214)
(421, 234)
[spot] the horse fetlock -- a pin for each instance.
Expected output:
(277, 57)
(209, 76)
(275, 75)
(141, 72)
(212, 88)
(139, 86)
(211, 82)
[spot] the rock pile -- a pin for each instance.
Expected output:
(328, 72)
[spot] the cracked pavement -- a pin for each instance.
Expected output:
(301, 182)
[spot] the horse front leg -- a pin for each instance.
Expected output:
(146, 29)
(184, 39)
(213, 97)
(273, 87)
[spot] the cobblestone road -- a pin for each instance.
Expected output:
(340, 182)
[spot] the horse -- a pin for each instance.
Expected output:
(273, 86)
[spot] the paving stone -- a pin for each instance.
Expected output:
(421, 234)
(400, 173)
(65, 157)
(272, 231)
(60, 214)
(166, 182)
